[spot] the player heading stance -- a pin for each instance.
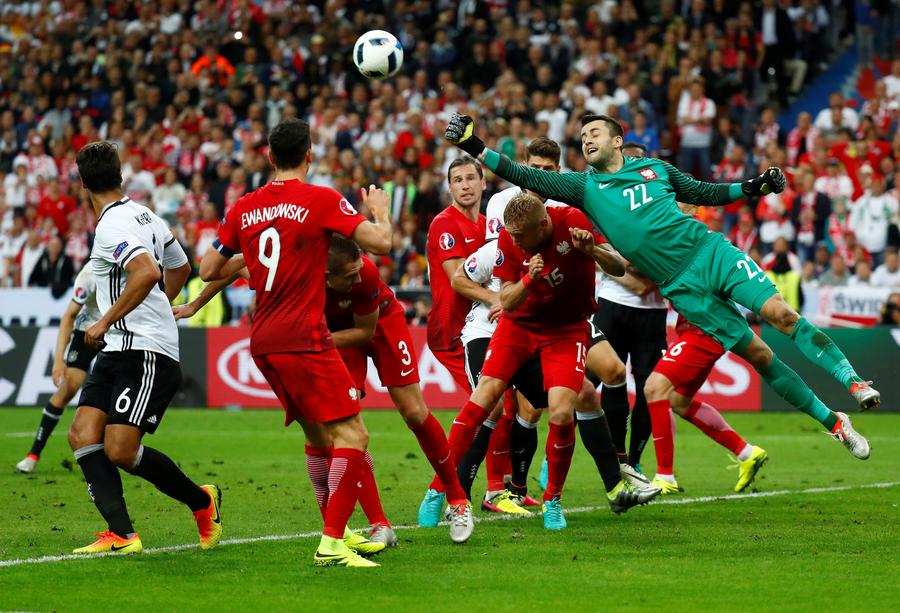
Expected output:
(71, 361)
(139, 267)
(283, 230)
(632, 202)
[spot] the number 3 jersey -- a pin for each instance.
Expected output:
(564, 293)
(126, 230)
(284, 229)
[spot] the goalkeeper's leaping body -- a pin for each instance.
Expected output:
(632, 201)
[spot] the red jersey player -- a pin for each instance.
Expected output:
(283, 230)
(366, 320)
(456, 233)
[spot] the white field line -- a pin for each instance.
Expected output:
(301, 535)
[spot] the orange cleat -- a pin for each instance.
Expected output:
(209, 522)
(110, 542)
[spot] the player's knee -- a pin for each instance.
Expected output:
(614, 373)
(655, 388)
(488, 392)
(120, 453)
(588, 401)
(414, 414)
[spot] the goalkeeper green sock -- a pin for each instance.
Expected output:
(820, 349)
(791, 387)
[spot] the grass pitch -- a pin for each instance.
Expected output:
(818, 534)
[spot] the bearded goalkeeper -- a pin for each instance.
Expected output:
(632, 201)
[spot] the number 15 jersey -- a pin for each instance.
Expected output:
(284, 229)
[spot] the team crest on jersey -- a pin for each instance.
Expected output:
(446, 241)
(345, 303)
(80, 293)
(119, 249)
(563, 247)
(648, 174)
(499, 259)
(346, 207)
(495, 225)
(354, 395)
(73, 355)
(472, 264)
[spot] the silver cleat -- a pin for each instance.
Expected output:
(383, 534)
(630, 496)
(633, 477)
(855, 442)
(867, 396)
(462, 524)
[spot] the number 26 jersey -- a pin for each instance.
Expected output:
(284, 229)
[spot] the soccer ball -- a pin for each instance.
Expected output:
(378, 54)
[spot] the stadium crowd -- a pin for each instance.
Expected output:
(188, 90)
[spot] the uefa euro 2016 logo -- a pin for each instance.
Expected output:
(446, 241)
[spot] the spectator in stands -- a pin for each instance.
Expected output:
(890, 310)
(808, 277)
(28, 258)
(168, 197)
(786, 278)
(837, 115)
(695, 115)
(801, 139)
(414, 277)
(54, 269)
(781, 250)
(18, 184)
(744, 235)
(56, 206)
(640, 132)
(862, 275)
(37, 162)
(11, 242)
(836, 184)
(78, 241)
(836, 276)
(774, 213)
(888, 274)
(870, 216)
(778, 40)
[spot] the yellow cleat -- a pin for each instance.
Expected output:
(357, 542)
(748, 468)
(502, 501)
(209, 521)
(666, 487)
(334, 552)
(110, 542)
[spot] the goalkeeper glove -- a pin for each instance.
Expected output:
(461, 132)
(772, 181)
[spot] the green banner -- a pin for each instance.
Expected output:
(874, 353)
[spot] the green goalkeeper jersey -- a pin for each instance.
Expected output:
(635, 208)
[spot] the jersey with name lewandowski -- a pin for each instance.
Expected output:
(366, 295)
(451, 235)
(284, 230)
(564, 293)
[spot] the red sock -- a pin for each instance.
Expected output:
(713, 425)
(663, 436)
(433, 442)
(346, 478)
(318, 461)
(559, 450)
(369, 499)
(462, 433)
(497, 462)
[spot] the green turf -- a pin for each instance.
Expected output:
(828, 551)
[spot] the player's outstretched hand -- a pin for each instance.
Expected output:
(184, 311)
(377, 201)
(772, 181)
(58, 374)
(535, 266)
(582, 239)
(461, 132)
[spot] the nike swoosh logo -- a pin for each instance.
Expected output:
(666, 359)
(526, 262)
(448, 455)
(114, 548)
(458, 422)
(470, 240)
(658, 438)
(819, 355)
(499, 452)
(579, 369)
(603, 185)
(555, 446)
(403, 373)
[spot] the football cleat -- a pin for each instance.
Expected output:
(358, 542)
(544, 475)
(27, 464)
(462, 524)
(634, 477)
(866, 395)
(110, 542)
(666, 487)
(624, 496)
(748, 468)
(209, 521)
(528, 501)
(383, 534)
(334, 552)
(430, 509)
(502, 501)
(855, 442)
(553, 514)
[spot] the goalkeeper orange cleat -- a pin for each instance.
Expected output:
(113, 543)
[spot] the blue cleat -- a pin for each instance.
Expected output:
(430, 509)
(544, 475)
(553, 514)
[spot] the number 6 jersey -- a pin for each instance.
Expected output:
(126, 230)
(284, 229)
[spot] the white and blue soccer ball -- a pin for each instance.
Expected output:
(378, 54)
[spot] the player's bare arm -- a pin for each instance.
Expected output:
(514, 293)
(362, 332)
(143, 274)
(186, 311)
(464, 286)
(610, 261)
(174, 280)
(375, 237)
(214, 266)
(66, 324)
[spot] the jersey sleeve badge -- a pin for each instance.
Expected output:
(499, 260)
(119, 249)
(446, 241)
(648, 174)
(346, 207)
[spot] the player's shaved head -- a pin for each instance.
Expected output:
(523, 211)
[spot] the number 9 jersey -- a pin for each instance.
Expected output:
(284, 229)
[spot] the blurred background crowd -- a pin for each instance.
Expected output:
(189, 88)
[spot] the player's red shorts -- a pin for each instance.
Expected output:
(314, 386)
(392, 351)
(454, 360)
(689, 360)
(562, 351)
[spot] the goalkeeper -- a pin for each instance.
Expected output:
(632, 201)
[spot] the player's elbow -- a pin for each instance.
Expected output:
(380, 246)
(207, 271)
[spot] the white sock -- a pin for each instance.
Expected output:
(489, 424)
(745, 453)
(526, 424)
(666, 478)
